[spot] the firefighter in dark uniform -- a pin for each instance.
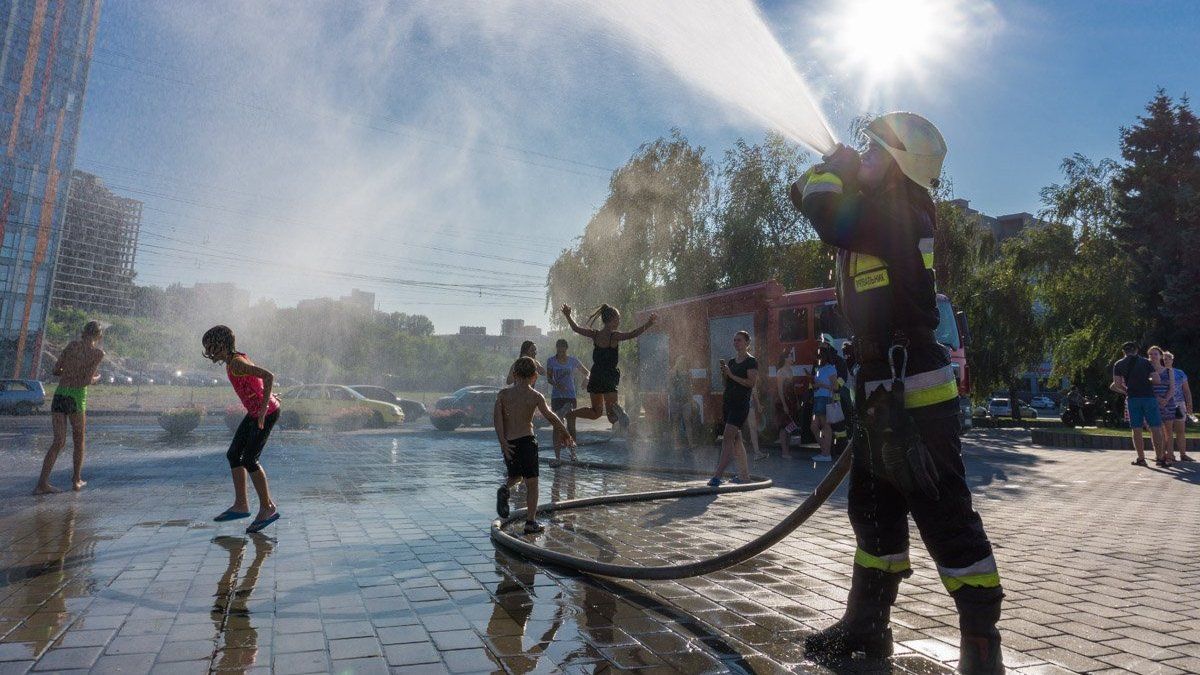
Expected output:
(877, 210)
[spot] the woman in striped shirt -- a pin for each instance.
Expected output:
(1180, 408)
(1164, 393)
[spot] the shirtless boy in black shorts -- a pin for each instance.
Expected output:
(513, 416)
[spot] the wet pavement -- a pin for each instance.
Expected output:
(382, 562)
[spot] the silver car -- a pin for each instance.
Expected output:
(21, 397)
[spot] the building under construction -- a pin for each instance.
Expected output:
(100, 236)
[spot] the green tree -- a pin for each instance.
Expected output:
(757, 226)
(1005, 333)
(1158, 204)
(672, 227)
(1083, 281)
(149, 301)
(650, 234)
(961, 245)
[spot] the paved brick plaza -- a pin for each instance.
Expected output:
(382, 561)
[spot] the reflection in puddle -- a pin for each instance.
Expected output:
(509, 626)
(562, 488)
(385, 534)
(46, 583)
(237, 645)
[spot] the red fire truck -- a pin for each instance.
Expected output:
(694, 333)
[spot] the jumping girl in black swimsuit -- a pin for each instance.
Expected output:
(602, 385)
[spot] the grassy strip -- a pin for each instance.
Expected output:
(1011, 423)
(1107, 431)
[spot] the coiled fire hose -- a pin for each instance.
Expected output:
(746, 551)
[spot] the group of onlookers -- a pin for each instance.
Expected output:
(1158, 399)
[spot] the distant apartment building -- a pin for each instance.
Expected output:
(360, 300)
(1001, 227)
(45, 51)
(203, 297)
(517, 328)
(472, 330)
(94, 271)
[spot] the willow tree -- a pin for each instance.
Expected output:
(760, 234)
(649, 240)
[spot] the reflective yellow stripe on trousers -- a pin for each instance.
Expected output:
(895, 562)
(982, 574)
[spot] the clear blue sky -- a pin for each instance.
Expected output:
(301, 150)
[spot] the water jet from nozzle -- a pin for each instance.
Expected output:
(723, 49)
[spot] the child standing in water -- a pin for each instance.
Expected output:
(253, 386)
(560, 370)
(77, 367)
(527, 349)
(602, 384)
(513, 417)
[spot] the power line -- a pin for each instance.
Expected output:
(543, 241)
(489, 290)
(347, 275)
(145, 229)
(277, 220)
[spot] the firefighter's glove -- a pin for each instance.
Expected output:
(843, 162)
(910, 466)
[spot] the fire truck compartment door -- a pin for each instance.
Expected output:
(721, 330)
(654, 368)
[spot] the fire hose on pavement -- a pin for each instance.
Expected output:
(539, 554)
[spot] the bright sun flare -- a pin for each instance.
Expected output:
(883, 36)
(885, 41)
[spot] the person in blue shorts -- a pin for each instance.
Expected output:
(1134, 378)
(825, 383)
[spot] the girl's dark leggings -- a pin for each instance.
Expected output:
(248, 442)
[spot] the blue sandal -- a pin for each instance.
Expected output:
(259, 525)
(230, 514)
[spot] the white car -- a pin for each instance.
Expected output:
(1000, 407)
(1043, 402)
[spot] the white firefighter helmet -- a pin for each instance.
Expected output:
(915, 144)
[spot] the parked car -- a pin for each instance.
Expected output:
(322, 403)
(113, 375)
(469, 406)
(413, 410)
(285, 381)
(159, 376)
(1001, 407)
(21, 397)
(1043, 402)
(194, 379)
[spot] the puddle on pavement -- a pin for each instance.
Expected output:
(383, 535)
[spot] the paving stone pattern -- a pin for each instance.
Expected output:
(382, 562)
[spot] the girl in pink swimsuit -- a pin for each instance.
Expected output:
(253, 386)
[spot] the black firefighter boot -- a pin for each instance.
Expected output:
(864, 627)
(978, 612)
